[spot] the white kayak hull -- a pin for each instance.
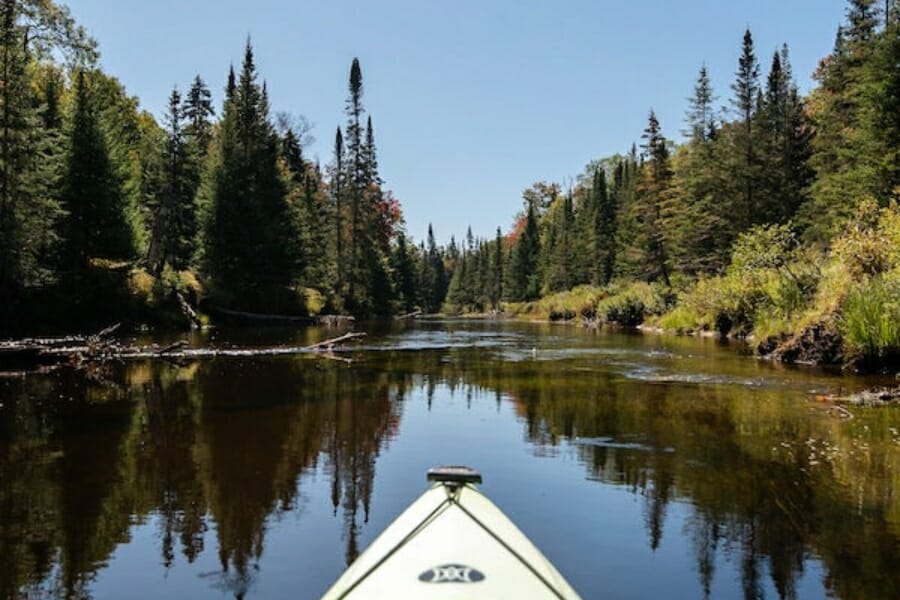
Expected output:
(451, 543)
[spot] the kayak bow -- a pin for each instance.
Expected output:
(452, 543)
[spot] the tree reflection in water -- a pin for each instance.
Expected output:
(223, 446)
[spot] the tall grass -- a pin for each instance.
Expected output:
(870, 322)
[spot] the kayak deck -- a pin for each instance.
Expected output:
(451, 543)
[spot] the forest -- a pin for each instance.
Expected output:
(774, 219)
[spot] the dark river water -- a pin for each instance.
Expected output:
(642, 466)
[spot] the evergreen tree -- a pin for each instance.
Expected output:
(784, 144)
(249, 228)
(28, 168)
(403, 264)
(701, 120)
(370, 155)
(605, 228)
(653, 193)
(435, 281)
(96, 224)
(845, 152)
(355, 179)
(174, 224)
(746, 172)
(883, 121)
(337, 194)
(557, 248)
(497, 271)
(524, 273)
(198, 111)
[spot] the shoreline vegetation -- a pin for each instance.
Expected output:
(773, 220)
(794, 304)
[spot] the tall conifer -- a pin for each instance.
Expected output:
(96, 224)
(249, 229)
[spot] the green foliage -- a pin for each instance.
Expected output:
(870, 244)
(579, 302)
(631, 304)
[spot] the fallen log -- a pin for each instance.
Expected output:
(189, 312)
(87, 353)
(330, 344)
(172, 347)
(411, 315)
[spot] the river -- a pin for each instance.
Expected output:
(642, 466)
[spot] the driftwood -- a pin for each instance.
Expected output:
(330, 344)
(54, 350)
(172, 347)
(189, 312)
(97, 348)
(411, 315)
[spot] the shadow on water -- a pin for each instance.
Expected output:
(219, 456)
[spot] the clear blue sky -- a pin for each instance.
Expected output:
(472, 100)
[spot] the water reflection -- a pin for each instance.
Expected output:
(217, 454)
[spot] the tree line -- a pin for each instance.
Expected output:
(669, 213)
(102, 208)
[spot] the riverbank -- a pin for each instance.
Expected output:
(794, 303)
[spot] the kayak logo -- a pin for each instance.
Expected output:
(452, 574)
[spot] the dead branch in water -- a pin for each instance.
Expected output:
(330, 344)
(411, 315)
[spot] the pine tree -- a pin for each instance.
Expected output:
(336, 187)
(28, 169)
(653, 193)
(437, 283)
(845, 151)
(355, 180)
(605, 228)
(524, 281)
(249, 230)
(746, 91)
(403, 264)
(198, 111)
(174, 224)
(497, 271)
(96, 224)
(883, 121)
(371, 155)
(701, 120)
(557, 249)
(783, 140)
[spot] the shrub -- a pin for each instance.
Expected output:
(634, 303)
(580, 301)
